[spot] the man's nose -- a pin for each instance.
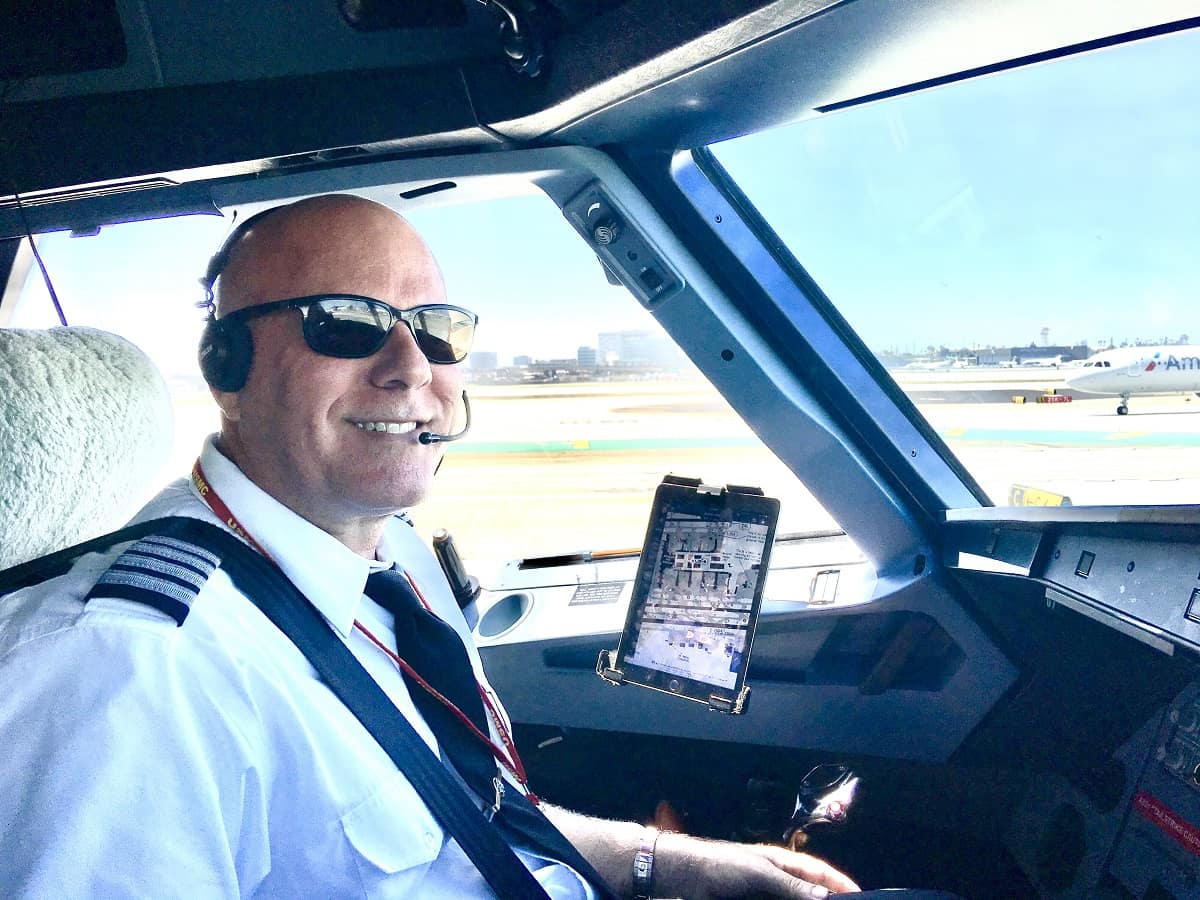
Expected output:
(400, 363)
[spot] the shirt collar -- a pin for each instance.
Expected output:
(325, 570)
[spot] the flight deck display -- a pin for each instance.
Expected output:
(699, 585)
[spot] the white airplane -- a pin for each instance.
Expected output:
(1139, 370)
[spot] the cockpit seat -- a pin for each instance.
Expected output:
(85, 428)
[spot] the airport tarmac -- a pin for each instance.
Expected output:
(560, 468)
(983, 384)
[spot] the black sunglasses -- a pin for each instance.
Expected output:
(351, 327)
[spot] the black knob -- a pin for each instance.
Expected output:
(606, 231)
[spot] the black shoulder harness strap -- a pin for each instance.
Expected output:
(263, 583)
(54, 564)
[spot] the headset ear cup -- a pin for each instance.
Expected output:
(226, 351)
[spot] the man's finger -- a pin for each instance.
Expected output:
(808, 868)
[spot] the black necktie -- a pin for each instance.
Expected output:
(436, 652)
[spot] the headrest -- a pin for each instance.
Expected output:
(85, 428)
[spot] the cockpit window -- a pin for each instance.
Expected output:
(581, 403)
(988, 237)
(137, 280)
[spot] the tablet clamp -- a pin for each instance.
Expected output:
(733, 706)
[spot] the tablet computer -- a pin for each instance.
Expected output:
(697, 594)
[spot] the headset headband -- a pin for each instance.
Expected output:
(220, 259)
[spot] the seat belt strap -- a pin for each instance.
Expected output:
(35, 571)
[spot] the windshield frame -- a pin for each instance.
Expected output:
(770, 287)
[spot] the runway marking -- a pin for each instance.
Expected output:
(1076, 438)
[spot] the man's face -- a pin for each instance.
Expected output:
(298, 428)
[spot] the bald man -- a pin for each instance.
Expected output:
(199, 754)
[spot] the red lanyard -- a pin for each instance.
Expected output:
(510, 759)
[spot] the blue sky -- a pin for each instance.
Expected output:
(1064, 196)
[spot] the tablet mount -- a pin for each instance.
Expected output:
(697, 594)
(733, 706)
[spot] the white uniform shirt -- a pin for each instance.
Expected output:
(142, 759)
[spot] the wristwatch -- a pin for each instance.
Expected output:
(643, 865)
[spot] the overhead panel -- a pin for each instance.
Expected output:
(55, 37)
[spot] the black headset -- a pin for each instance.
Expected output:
(226, 346)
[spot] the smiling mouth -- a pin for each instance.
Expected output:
(388, 427)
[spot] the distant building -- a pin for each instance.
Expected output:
(522, 360)
(1048, 355)
(994, 356)
(638, 348)
(610, 347)
(484, 361)
(586, 357)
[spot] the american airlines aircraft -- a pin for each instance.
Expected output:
(1139, 370)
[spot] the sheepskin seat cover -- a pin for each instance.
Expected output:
(85, 428)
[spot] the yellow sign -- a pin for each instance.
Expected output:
(1022, 495)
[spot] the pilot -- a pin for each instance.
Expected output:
(186, 748)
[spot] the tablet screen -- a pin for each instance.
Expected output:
(695, 602)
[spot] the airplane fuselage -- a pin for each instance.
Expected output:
(1139, 370)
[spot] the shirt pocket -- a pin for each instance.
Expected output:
(393, 839)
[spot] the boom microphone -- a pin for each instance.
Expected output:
(432, 437)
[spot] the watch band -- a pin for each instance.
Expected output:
(643, 865)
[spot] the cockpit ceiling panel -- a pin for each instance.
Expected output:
(60, 48)
(226, 86)
(778, 71)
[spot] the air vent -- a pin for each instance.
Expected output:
(427, 189)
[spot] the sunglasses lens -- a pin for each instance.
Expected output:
(444, 334)
(352, 328)
(347, 328)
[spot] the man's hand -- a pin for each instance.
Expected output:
(698, 869)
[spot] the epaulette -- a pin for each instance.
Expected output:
(160, 571)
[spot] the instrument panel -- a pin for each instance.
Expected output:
(1136, 570)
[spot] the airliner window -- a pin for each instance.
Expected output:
(580, 402)
(1019, 252)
